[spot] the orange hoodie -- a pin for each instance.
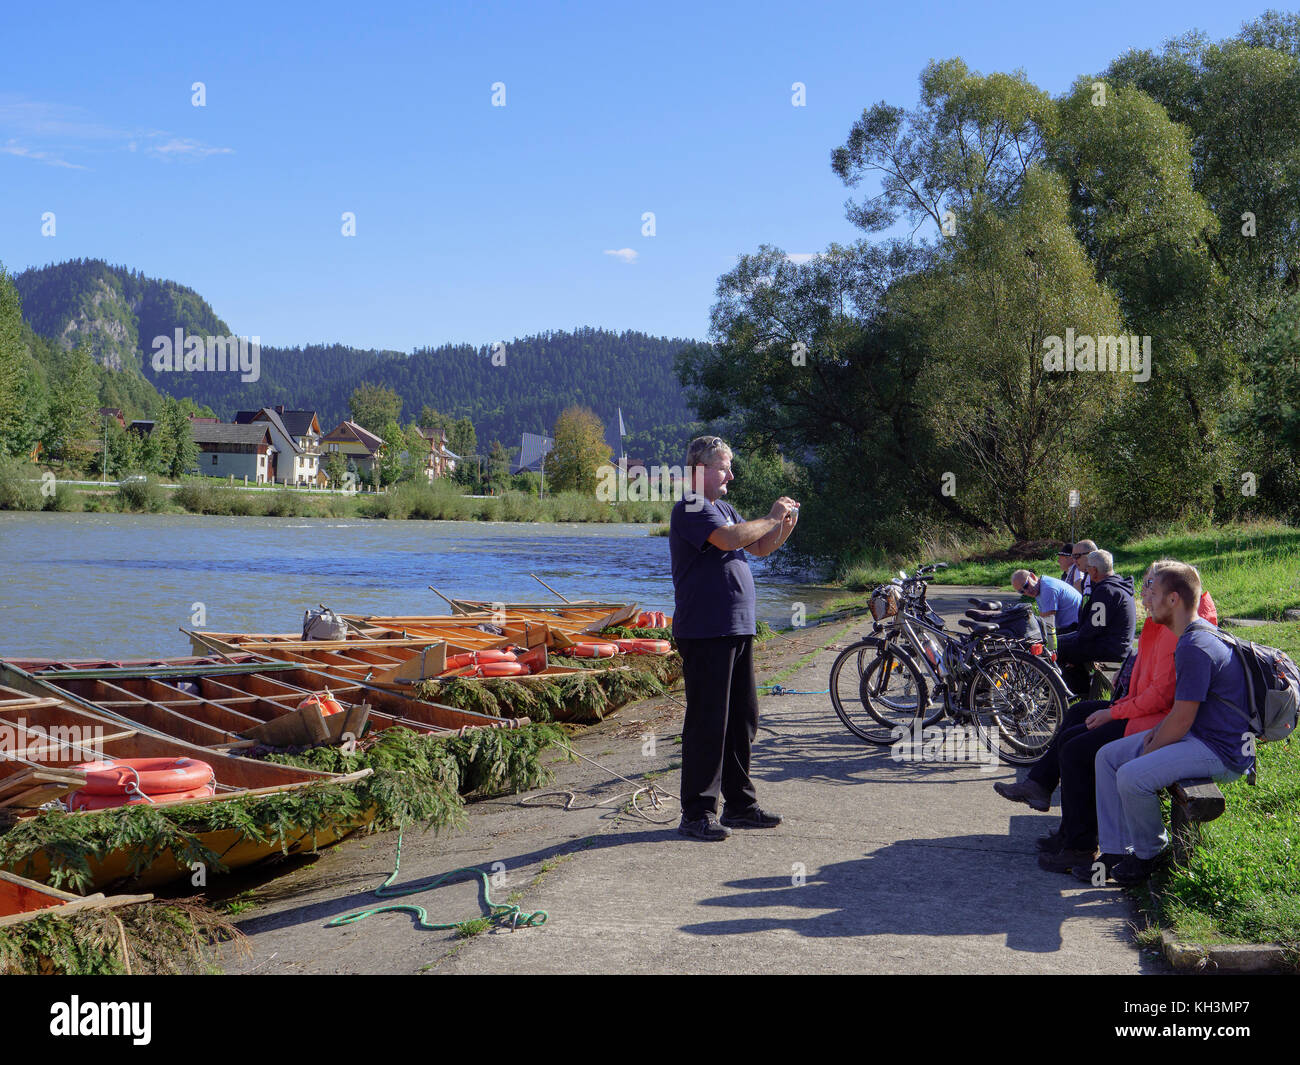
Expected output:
(1151, 688)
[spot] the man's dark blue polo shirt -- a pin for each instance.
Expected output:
(714, 589)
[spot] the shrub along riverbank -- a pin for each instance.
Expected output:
(1242, 884)
(436, 501)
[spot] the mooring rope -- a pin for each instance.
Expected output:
(501, 913)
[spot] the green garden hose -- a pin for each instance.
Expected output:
(506, 913)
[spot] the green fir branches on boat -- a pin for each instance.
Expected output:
(583, 698)
(153, 938)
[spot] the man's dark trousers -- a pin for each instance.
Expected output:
(721, 722)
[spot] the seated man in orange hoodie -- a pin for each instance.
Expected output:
(1149, 699)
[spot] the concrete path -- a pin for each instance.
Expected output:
(880, 866)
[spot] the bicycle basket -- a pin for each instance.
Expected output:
(884, 602)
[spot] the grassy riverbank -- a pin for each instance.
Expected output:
(438, 501)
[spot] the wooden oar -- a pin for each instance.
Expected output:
(451, 602)
(548, 587)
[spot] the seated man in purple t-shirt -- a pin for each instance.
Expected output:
(713, 625)
(1203, 736)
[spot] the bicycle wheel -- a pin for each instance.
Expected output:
(875, 688)
(1017, 702)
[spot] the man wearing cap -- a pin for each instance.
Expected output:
(713, 625)
(1065, 559)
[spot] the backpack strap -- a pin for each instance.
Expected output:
(1240, 655)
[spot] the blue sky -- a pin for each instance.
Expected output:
(478, 223)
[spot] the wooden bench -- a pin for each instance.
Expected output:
(1192, 803)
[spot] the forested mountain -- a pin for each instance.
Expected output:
(116, 313)
(530, 380)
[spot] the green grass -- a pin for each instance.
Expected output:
(1251, 571)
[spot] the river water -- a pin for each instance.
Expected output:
(120, 585)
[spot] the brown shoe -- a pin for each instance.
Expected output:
(1033, 795)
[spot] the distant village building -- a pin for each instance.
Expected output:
(237, 451)
(115, 413)
(359, 446)
(297, 438)
(435, 458)
(532, 453)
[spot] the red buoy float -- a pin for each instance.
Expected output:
(590, 650)
(325, 701)
(643, 647)
(152, 776)
(84, 800)
(473, 658)
(498, 669)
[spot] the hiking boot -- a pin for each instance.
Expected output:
(1088, 871)
(705, 828)
(1134, 870)
(751, 818)
(1063, 861)
(1032, 794)
(1051, 843)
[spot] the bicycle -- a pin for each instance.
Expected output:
(912, 672)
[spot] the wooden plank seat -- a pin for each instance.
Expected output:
(1193, 802)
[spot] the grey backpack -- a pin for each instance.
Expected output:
(1272, 688)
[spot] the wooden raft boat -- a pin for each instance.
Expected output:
(22, 900)
(232, 700)
(391, 662)
(45, 736)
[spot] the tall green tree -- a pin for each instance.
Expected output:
(374, 406)
(72, 420)
(579, 451)
(174, 451)
(498, 468)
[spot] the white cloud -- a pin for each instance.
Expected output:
(180, 147)
(627, 255)
(49, 132)
(42, 157)
(801, 257)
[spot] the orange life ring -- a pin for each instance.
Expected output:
(153, 776)
(473, 658)
(653, 619)
(84, 800)
(643, 646)
(327, 703)
(497, 669)
(591, 650)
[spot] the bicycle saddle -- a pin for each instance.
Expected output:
(978, 626)
(992, 605)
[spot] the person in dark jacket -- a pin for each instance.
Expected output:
(1107, 622)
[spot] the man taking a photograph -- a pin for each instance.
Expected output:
(713, 625)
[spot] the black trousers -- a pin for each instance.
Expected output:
(1047, 770)
(1078, 755)
(1076, 664)
(721, 722)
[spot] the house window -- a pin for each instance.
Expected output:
(214, 459)
(334, 447)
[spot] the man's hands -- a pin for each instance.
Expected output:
(783, 508)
